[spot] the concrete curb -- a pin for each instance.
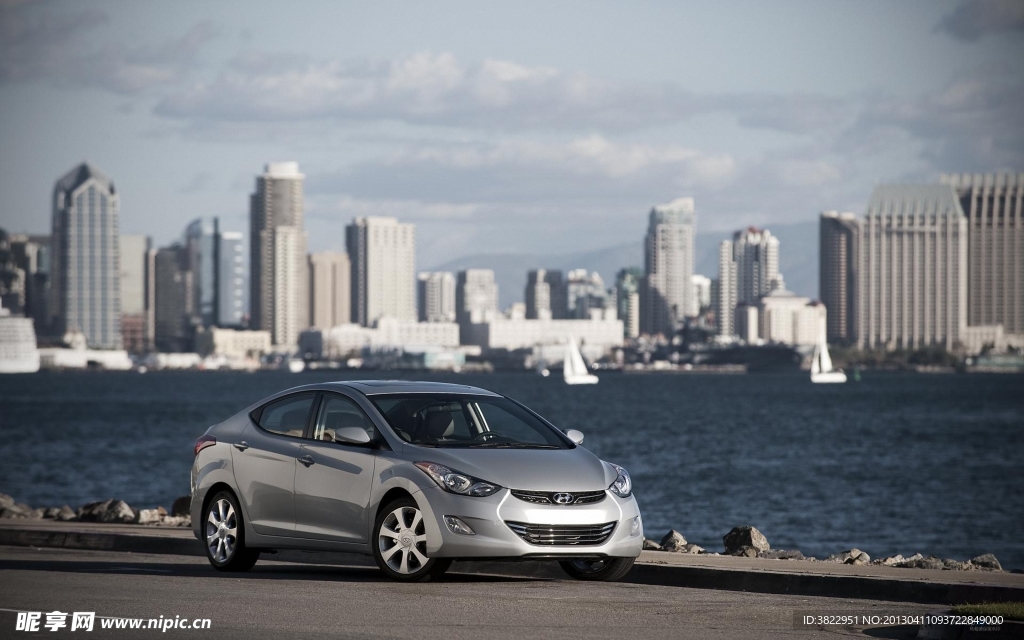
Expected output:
(934, 591)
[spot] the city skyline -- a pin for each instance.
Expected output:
(484, 146)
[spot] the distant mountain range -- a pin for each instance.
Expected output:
(798, 261)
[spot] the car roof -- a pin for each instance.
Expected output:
(381, 387)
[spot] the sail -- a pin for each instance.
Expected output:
(574, 365)
(816, 360)
(826, 361)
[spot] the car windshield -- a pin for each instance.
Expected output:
(466, 421)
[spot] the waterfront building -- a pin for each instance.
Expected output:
(232, 298)
(383, 258)
(329, 295)
(200, 241)
(136, 293)
(628, 283)
(18, 349)
(31, 263)
(725, 298)
(912, 290)
(476, 296)
(388, 334)
(747, 266)
(436, 296)
(173, 300)
(233, 344)
(994, 206)
(502, 333)
(85, 289)
(278, 288)
(668, 262)
(783, 317)
(838, 257)
(701, 293)
(546, 295)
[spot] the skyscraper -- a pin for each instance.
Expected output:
(912, 289)
(174, 311)
(383, 257)
(329, 296)
(136, 313)
(994, 206)
(747, 268)
(838, 234)
(627, 299)
(668, 256)
(86, 289)
(546, 295)
(200, 243)
(701, 293)
(278, 288)
(476, 296)
(232, 298)
(436, 296)
(725, 290)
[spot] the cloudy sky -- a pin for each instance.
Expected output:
(504, 126)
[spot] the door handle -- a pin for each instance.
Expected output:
(307, 460)
(242, 446)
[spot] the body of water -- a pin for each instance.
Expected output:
(896, 463)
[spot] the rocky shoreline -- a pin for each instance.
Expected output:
(748, 542)
(745, 541)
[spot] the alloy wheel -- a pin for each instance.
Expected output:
(402, 540)
(221, 530)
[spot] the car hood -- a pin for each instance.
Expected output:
(527, 469)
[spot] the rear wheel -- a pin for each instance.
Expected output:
(224, 532)
(604, 569)
(400, 544)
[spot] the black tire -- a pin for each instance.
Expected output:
(231, 554)
(604, 570)
(417, 571)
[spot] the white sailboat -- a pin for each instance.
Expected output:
(574, 369)
(821, 363)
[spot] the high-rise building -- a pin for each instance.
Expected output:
(476, 296)
(232, 299)
(329, 296)
(994, 206)
(174, 299)
(200, 242)
(725, 290)
(668, 256)
(747, 268)
(628, 283)
(435, 296)
(278, 289)
(86, 289)
(25, 288)
(837, 273)
(383, 257)
(584, 293)
(136, 312)
(546, 295)
(701, 293)
(912, 289)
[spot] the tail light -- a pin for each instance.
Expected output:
(203, 442)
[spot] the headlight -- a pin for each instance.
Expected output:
(622, 486)
(455, 482)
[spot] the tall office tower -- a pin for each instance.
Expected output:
(435, 296)
(994, 206)
(28, 279)
(756, 254)
(584, 292)
(837, 274)
(86, 289)
(725, 291)
(232, 298)
(174, 299)
(201, 244)
(701, 293)
(136, 327)
(912, 289)
(546, 295)
(668, 256)
(278, 291)
(628, 283)
(329, 296)
(476, 296)
(383, 256)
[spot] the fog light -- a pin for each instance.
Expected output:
(634, 527)
(458, 526)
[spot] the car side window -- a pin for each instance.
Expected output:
(338, 412)
(287, 416)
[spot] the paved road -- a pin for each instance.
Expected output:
(278, 599)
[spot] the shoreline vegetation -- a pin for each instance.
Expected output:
(743, 541)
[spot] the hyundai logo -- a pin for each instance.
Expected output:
(563, 498)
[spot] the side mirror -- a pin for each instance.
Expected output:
(575, 436)
(351, 435)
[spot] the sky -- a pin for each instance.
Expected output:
(502, 127)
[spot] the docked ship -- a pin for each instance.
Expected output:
(18, 349)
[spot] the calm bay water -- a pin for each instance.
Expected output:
(897, 463)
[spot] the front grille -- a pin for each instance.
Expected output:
(562, 534)
(548, 497)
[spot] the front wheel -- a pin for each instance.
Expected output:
(400, 544)
(225, 535)
(604, 570)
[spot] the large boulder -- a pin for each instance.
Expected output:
(182, 506)
(150, 516)
(987, 562)
(781, 554)
(917, 562)
(108, 511)
(673, 541)
(853, 556)
(741, 537)
(6, 501)
(651, 545)
(66, 514)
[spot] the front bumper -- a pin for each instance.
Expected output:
(494, 539)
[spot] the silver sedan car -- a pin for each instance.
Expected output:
(417, 474)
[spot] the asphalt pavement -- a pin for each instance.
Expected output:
(291, 600)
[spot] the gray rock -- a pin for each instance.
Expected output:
(744, 552)
(651, 545)
(891, 561)
(931, 562)
(37, 514)
(6, 501)
(673, 541)
(176, 521)
(11, 513)
(182, 506)
(745, 537)
(66, 514)
(781, 554)
(987, 562)
(853, 556)
(150, 516)
(51, 513)
(24, 508)
(692, 548)
(108, 511)
(956, 565)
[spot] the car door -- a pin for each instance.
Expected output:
(333, 479)
(264, 463)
